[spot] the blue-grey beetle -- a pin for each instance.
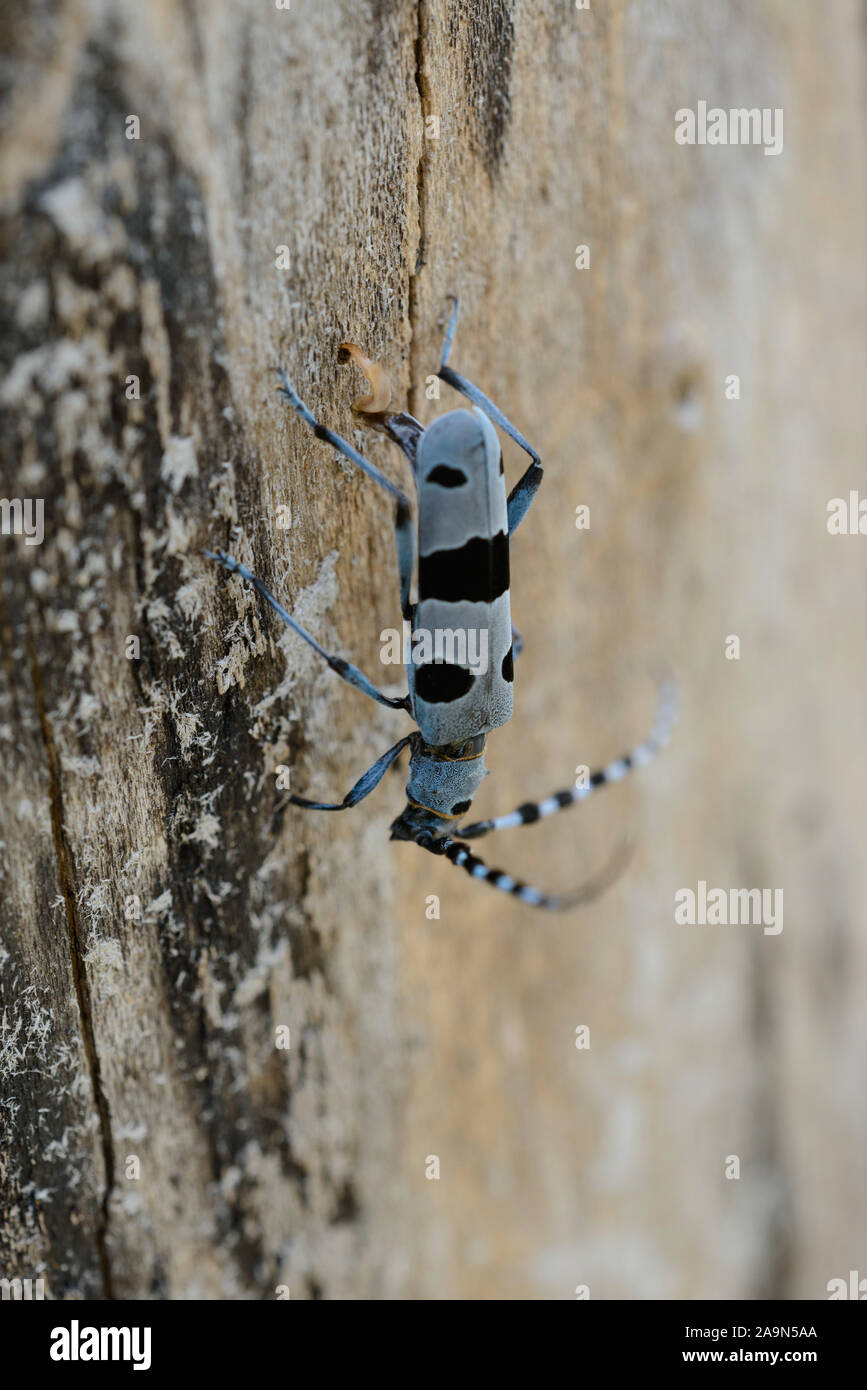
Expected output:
(465, 523)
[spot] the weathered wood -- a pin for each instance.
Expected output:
(160, 920)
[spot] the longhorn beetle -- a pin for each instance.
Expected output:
(465, 524)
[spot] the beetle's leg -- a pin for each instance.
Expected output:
(406, 431)
(527, 486)
(522, 495)
(517, 643)
(403, 531)
(532, 811)
(363, 787)
(461, 855)
(344, 669)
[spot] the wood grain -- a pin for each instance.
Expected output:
(162, 918)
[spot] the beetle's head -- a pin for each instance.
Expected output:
(415, 819)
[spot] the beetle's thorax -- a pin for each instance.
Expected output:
(443, 781)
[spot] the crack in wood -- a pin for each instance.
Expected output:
(423, 88)
(66, 875)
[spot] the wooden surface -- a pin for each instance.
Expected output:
(149, 1031)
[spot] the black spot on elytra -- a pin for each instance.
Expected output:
(438, 682)
(461, 806)
(477, 572)
(508, 667)
(446, 477)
